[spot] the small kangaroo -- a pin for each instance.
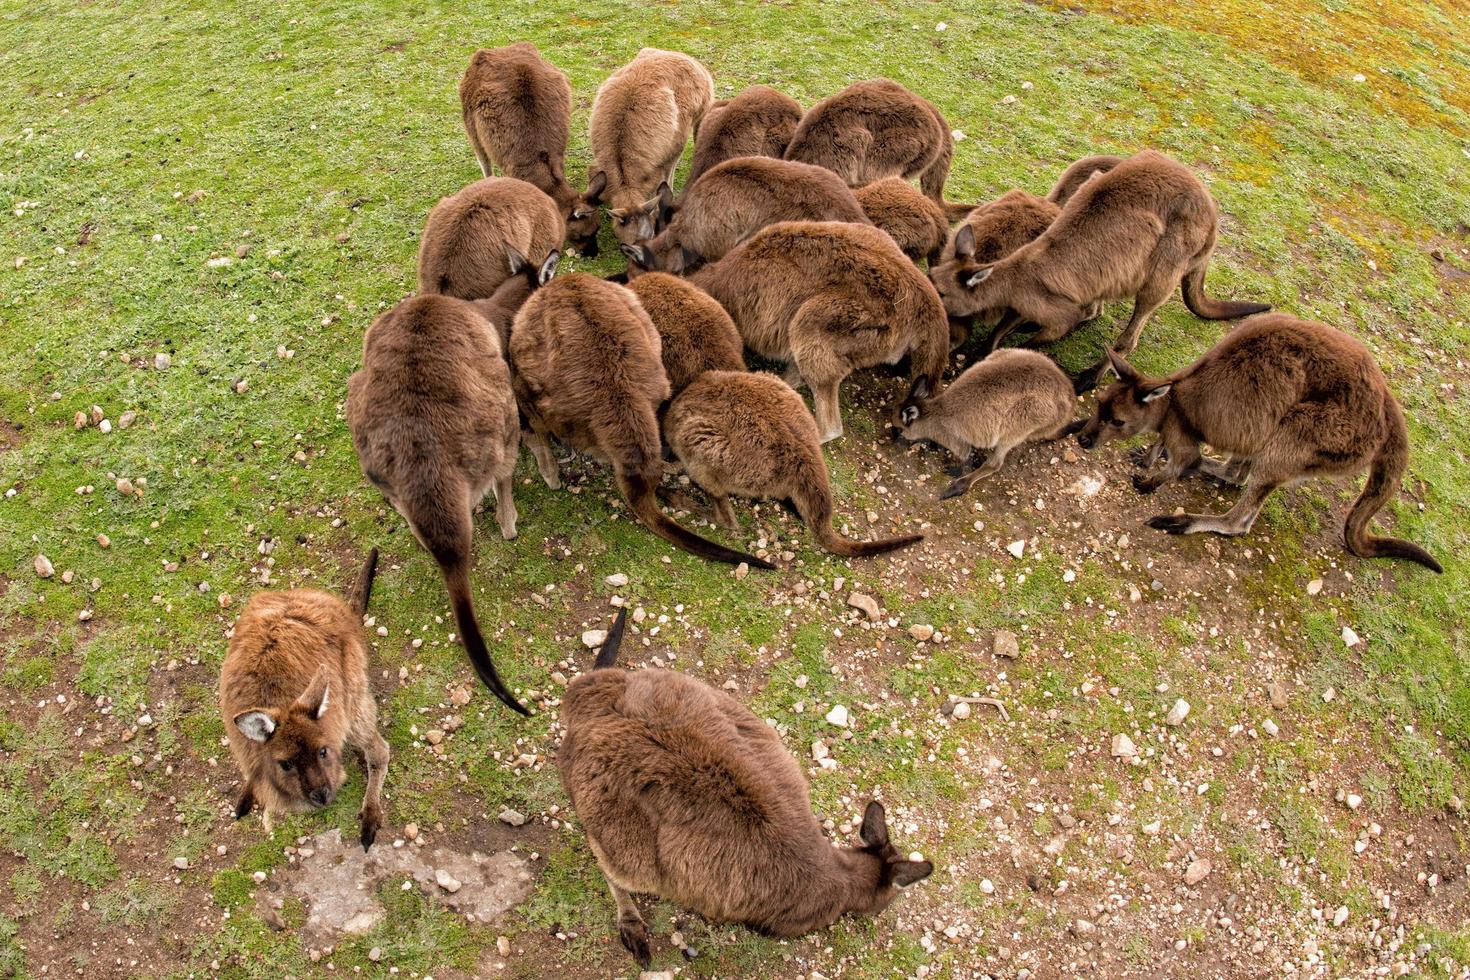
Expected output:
(687, 795)
(828, 298)
(916, 224)
(463, 252)
(517, 113)
(1137, 230)
(876, 129)
(433, 418)
(293, 691)
(736, 199)
(1010, 397)
(587, 371)
(501, 307)
(1287, 399)
(1078, 174)
(758, 122)
(642, 118)
(695, 333)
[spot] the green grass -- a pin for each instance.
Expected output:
(320, 137)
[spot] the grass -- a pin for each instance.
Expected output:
(223, 183)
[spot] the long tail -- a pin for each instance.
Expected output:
(1383, 483)
(638, 491)
(608, 655)
(362, 588)
(457, 578)
(814, 503)
(1206, 308)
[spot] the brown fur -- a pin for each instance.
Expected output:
(876, 129)
(1287, 400)
(999, 403)
(517, 113)
(588, 371)
(916, 223)
(695, 333)
(465, 250)
(1078, 174)
(758, 122)
(642, 118)
(732, 202)
(685, 794)
(829, 298)
(1136, 231)
(750, 435)
(501, 307)
(434, 422)
(294, 691)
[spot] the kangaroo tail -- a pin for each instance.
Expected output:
(1207, 308)
(608, 655)
(1383, 483)
(638, 490)
(957, 212)
(457, 578)
(362, 588)
(814, 504)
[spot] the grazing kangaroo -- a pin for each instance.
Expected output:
(758, 122)
(876, 129)
(1011, 397)
(434, 422)
(685, 794)
(463, 252)
(293, 691)
(1137, 231)
(828, 298)
(916, 224)
(517, 113)
(695, 333)
(642, 118)
(1287, 399)
(733, 201)
(1078, 174)
(503, 305)
(587, 371)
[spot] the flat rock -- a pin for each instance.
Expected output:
(1178, 713)
(867, 604)
(1278, 694)
(592, 639)
(921, 632)
(1197, 871)
(838, 716)
(1005, 644)
(1123, 747)
(44, 568)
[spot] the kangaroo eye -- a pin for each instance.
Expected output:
(323, 752)
(287, 765)
(1116, 423)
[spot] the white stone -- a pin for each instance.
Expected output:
(1178, 713)
(1198, 871)
(1017, 548)
(838, 716)
(617, 580)
(1340, 916)
(592, 639)
(961, 711)
(1123, 746)
(447, 881)
(1349, 637)
(44, 568)
(986, 886)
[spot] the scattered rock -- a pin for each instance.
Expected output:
(1353, 801)
(44, 568)
(921, 632)
(1349, 638)
(592, 639)
(181, 863)
(375, 954)
(987, 887)
(838, 716)
(1271, 728)
(162, 361)
(1123, 747)
(1178, 713)
(1197, 871)
(1005, 644)
(411, 831)
(961, 711)
(1314, 586)
(617, 580)
(820, 750)
(447, 881)
(741, 570)
(1016, 548)
(867, 604)
(1340, 916)
(512, 818)
(104, 541)
(1279, 695)
(126, 419)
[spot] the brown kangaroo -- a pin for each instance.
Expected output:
(916, 223)
(293, 691)
(1286, 399)
(503, 305)
(463, 250)
(686, 794)
(434, 422)
(642, 118)
(587, 371)
(828, 298)
(517, 114)
(758, 122)
(1137, 231)
(750, 435)
(1009, 398)
(1078, 174)
(876, 129)
(733, 201)
(695, 333)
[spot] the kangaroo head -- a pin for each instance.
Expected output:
(1130, 405)
(961, 280)
(535, 275)
(635, 221)
(584, 218)
(913, 409)
(675, 259)
(890, 869)
(302, 763)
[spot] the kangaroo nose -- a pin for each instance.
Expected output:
(1084, 440)
(319, 797)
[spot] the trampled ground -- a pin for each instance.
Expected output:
(241, 189)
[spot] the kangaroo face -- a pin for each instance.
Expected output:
(302, 763)
(1131, 405)
(584, 217)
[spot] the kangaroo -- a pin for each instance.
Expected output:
(642, 117)
(1287, 399)
(463, 250)
(1009, 398)
(828, 298)
(587, 371)
(915, 223)
(433, 418)
(876, 129)
(517, 113)
(685, 794)
(695, 333)
(758, 122)
(501, 307)
(733, 201)
(1078, 174)
(1137, 231)
(293, 691)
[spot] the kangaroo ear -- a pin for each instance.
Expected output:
(595, 187)
(637, 254)
(517, 260)
(688, 259)
(548, 267)
(964, 242)
(318, 694)
(874, 832)
(980, 276)
(905, 873)
(1122, 368)
(921, 388)
(665, 203)
(258, 726)
(1157, 392)
(909, 415)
